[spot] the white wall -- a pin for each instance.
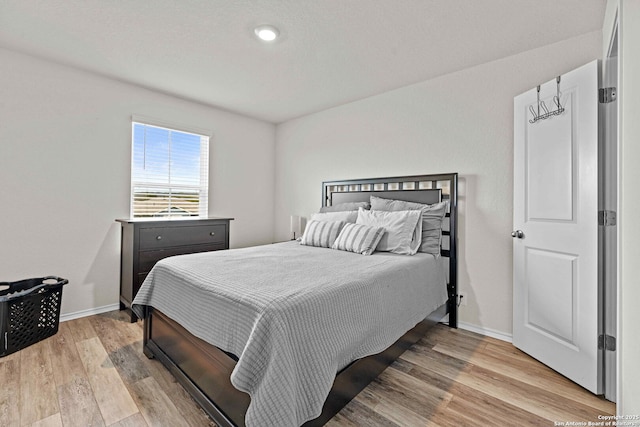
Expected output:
(628, 226)
(461, 122)
(65, 154)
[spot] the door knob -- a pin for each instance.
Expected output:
(518, 233)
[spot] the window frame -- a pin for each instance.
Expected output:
(202, 188)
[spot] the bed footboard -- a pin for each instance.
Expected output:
(202, 369)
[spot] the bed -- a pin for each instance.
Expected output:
(285, 326)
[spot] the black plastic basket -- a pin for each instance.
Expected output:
(29, 312)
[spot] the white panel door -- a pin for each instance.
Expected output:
(555, 217)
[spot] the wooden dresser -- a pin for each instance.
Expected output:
(146, 241)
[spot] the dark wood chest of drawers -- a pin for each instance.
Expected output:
(146, 241)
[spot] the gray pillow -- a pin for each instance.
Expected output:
(321, 233)
(341, 207)
(432, 217)
(358, 238)
(345, 216)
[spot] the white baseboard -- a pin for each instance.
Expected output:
(89, 312)
(486, 332)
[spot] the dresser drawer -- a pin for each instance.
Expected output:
(164, 237)
(147, 259)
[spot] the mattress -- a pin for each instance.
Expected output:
(294, 315)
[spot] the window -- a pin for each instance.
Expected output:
(169, 172)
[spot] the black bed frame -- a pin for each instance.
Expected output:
(204, 370)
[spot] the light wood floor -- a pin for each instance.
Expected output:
(93, 373)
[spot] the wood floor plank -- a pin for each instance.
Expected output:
(193, 414)
(527, 370)
(12, 356)
(162, 375)
(115, 333)
(38, 394)
(51, 421)
(559, 384)
(135, 420)
(464, 339)
(9, 391)
(82, 329)
(394, 408)
(430, 409)
(505, 358)
(482, 409)
(340, 421)
(130, 368)
(78, 406)
(64, 356)
(404, 417)
(538, 401)
(425, 357)
(155, 406)
(112, 396)
(530, 398)
(361, 415)
(408, 393)
(123, 345)
(470, 406)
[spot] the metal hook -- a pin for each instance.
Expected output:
(535, 115)
(544, 107)
(556, 100)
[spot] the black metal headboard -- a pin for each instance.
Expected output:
(417, 188)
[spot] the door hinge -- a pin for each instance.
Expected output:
(606, 218)
(606, 342)
(607, 94)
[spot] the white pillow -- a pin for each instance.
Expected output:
(321, 233)
(432, 218)
(401, 235)
(347, 216)
(358, 238)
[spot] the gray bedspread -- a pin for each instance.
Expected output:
(294, 315)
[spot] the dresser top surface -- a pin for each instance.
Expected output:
(175, 220)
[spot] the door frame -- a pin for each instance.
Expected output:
(610, 185)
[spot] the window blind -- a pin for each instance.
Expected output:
(169, 172)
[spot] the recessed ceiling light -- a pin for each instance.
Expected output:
(267, 33)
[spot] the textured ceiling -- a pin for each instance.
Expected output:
(331, 51)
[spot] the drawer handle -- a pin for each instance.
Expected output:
(212, 234)
(158, 237)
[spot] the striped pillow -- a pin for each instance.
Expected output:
(321, 233)
(359, 238)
